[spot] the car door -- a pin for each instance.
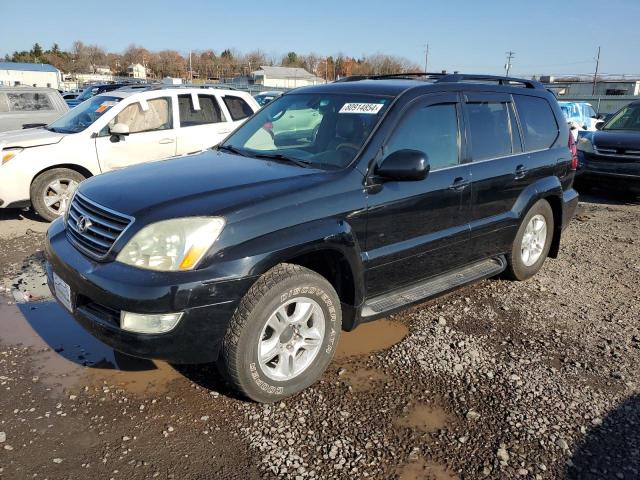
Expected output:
(202, 122)
(418, 229)
(500, 169)
(151, 137)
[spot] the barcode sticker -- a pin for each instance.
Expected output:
(371, 108)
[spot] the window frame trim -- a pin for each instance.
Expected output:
(138, 102)
(216, 101)
(431, 99)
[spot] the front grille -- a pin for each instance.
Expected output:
(104, 226)
(618, 152)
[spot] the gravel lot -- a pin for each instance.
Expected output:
(539, 379)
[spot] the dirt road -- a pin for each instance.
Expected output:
(539, 379)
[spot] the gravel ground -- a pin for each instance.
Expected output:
(504, 380)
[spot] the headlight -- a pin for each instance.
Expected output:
(9, 153)
(172, 245)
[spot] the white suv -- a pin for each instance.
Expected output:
(42, 167)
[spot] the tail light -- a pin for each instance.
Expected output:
(574, 152)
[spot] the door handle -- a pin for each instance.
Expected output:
(459, 184)
(164, 141)
(521, 171)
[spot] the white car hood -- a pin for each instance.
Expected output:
(29, 137)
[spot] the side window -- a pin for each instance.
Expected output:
(538, 122)
(238, 108)
(157, 117)
(29, 102)
(209, 111)
(433, 130)
(490, 129)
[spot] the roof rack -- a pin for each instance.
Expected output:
(465, 77)
(448, 78)
(162, 86)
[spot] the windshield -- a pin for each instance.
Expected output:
(87, 93)
(80, 117)
(323, 130)
(626, 119)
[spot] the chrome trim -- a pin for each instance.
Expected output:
(82, 248)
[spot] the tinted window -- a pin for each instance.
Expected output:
(29, 102)
(238, 108)
(432, 130)
(209, 111)
(157, 116)
(490, 129)
(538, 122)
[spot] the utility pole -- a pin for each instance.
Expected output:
(595, 75)
(190, 69)
(507, 66)
(426, 58)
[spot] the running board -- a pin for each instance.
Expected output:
(432, 287)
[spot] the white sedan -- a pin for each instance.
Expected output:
(41, 167)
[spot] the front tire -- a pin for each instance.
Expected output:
(283, 334)
(532, 243)
(52, 190)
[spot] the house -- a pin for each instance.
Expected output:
(31, 74)
(103, 69)
(136, 70)
(284, 77)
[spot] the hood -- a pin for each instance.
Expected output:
(208, 183)
(29, 137)
(618, 139)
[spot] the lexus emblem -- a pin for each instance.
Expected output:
(84, 223)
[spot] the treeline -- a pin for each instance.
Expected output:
(206, 64)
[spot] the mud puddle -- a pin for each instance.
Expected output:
(65, 356)
(420, 469)
(371, 337)
(364, 379)
(424, 417)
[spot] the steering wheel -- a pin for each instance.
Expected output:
(84, 119)
(351, 146)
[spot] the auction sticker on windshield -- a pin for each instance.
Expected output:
(371, 108)
(104, 106)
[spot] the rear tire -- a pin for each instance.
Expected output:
(532, 243)
(283, 334)
(52, 190)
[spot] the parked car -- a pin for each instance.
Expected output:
(581, 116)
(610, 157)
(257, 255)
(70, 95)
(42, 167)
(24, 107)
(265, 97)
(92, 91)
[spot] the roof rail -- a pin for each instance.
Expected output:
(462, 77)
(408, 75)
(163, 86)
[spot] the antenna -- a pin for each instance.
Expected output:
(507, 66)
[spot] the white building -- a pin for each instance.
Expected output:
(136, 70)
(284, 77)
(31, 74)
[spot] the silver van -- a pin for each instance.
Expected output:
(24, 107)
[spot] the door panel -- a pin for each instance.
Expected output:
(417, 229)
(152, 136)
(202, 127)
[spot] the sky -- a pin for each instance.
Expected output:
(547, 36)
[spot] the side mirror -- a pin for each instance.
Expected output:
(118, 132)
(599, 125)
(600, 116)
(404, 165)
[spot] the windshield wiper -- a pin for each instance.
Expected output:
(284, 158)
(229, 148)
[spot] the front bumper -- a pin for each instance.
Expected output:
(608, 172)
(100, 291)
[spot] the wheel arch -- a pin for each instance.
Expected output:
(84, 171)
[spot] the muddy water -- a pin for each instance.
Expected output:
(425, 418)
(67, 357)
(370, 337)
(364, 379)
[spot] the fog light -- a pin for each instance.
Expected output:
(149, 323)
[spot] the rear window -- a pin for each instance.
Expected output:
(238, 108)
(29, 102)
(209, 111)
(490, 129)
(538, 122)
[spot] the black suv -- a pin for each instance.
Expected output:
(333, 205)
